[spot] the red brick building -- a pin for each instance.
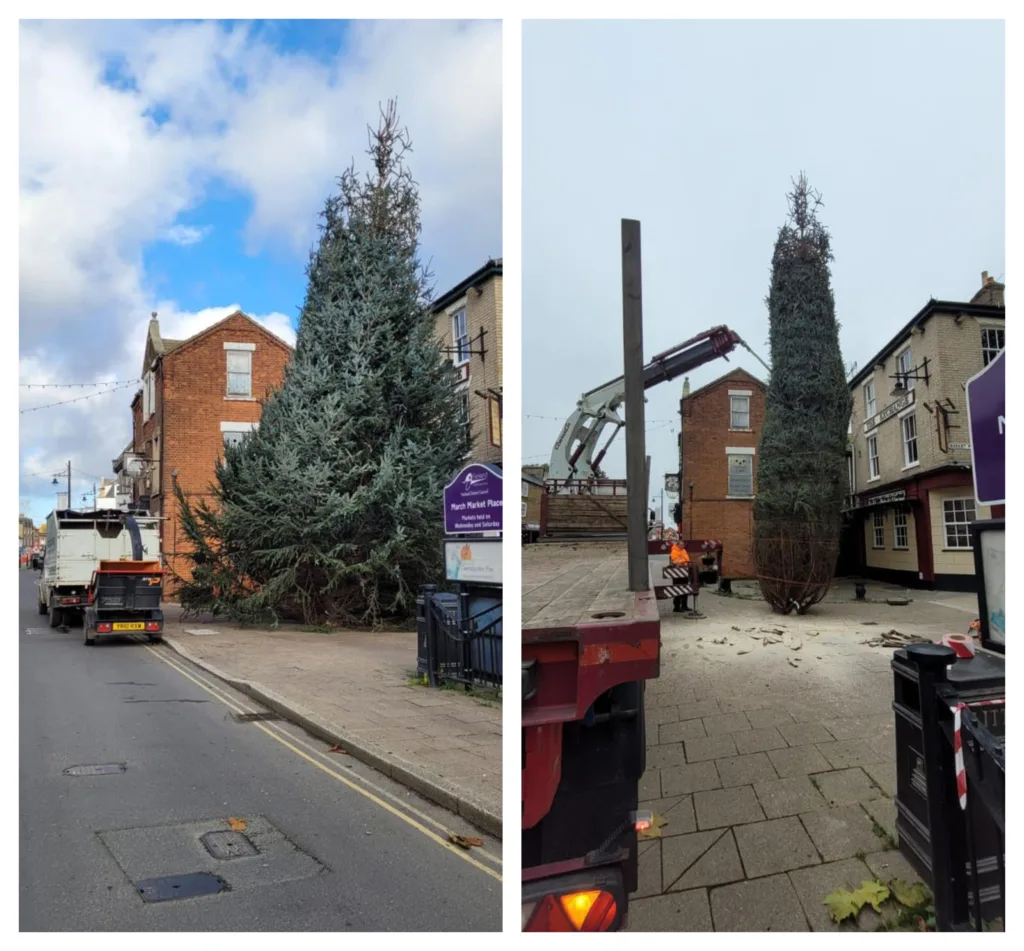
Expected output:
(720, 429)
(197, 395)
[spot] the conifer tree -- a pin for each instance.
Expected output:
(802, 470)
(331, 511)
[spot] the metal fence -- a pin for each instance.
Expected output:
(454, 645)
(962, 739)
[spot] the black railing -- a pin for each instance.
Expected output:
(950, 809)
(454, 645)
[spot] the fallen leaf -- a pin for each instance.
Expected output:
(465, 841)
(841, 905)
(653, 831)
(238, 825)
(337, 749)
(910, 896)
(871, 893)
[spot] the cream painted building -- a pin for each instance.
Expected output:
(469, 320)
(912, 486)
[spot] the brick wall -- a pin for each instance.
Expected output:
(708, 512)
(192, 390)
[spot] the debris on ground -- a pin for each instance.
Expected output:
(869, 623)
(719, 640)
(897, 602)
(465, 841)
(894, 639)
(792, 641)
(338, 749)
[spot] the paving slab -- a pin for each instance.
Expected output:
(842, 754)
(758, 740)
(884, 776)
(788, 797)
(676, 814)
(769, 717)
(680, 730)
(656, 712)
(725, 723)
(812, 885)
(665, 754)
(649, 871)
(798, 761)
(676, 911)
(701, 749)
(698, 709)
(844, 787)
(800, 734)
(841, 833)
(718, 865)
(891, 864)
(882, 811)
(725, 807)
(679, 780)
(777, 845)
(650, 784)
(766, 904)
(744, 770)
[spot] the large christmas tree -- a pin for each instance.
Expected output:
(801, 472)
(331, 511)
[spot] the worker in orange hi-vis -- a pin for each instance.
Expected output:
(678, 556)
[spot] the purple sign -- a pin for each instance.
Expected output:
(472, 501)
(986, 420)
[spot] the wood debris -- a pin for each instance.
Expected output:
(894, 639)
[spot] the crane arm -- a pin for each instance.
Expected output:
(573, 454)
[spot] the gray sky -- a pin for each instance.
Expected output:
(696, 128)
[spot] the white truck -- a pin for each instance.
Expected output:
(76, 543)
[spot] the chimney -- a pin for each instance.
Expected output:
(991, 292)
(686, 387)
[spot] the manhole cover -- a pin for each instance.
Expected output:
(228, 845)
(255, 717)
(172, 887)
(103, 769)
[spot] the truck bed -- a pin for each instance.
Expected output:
(568, 584)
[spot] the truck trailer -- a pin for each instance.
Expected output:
(77, 543)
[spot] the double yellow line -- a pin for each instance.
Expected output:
(378, 795)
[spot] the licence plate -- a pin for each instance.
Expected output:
(129, 626)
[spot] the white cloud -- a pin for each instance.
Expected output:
(101, 179)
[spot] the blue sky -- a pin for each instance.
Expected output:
(697, 128)
(180, 166)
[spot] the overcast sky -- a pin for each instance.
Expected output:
(696, 129)
(180, 167)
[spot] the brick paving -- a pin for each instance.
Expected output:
(773, 768)
(362, 685)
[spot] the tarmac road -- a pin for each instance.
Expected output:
(337, 846)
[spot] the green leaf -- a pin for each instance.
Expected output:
(910, 896)
(841, 905)
(871, 893)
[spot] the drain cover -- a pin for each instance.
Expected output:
(103, 769)
(255, 717)
(181, 886)
(228, 845)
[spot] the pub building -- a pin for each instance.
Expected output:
(911, 484)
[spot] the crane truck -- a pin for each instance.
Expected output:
(589, 646)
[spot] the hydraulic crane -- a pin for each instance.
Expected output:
(573, 454)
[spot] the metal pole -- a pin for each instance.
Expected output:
(633, 372)
(69, 483)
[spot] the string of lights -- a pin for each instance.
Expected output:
(52, 386)
(78, 399)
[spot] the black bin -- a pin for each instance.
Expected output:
(968, 681)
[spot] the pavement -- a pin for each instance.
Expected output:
(359, 690)
(142, 776)
(771, 761)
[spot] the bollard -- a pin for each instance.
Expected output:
(932, 661)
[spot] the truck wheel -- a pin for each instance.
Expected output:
(56, 616)
(155, 638)
(89, 641)
(42, 607)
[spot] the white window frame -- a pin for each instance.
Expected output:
(878, 529)
(909, 463)
(460, 341)
(145, 397)
(462, 393)
(743, 397)
(870, 402)
(900, 522)
(874, 466)
(238, 350)
(904, 364)
(950, 520)
(236, 429)
(738, 452)
(988, 352)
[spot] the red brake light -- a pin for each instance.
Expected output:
(592, 910)
(152, 625)
(103, 627)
